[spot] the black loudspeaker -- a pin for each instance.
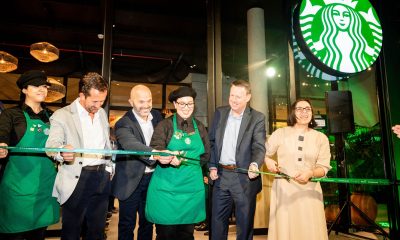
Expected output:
(339, 108)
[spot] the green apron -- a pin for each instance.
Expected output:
(176, 194)
(26, 188)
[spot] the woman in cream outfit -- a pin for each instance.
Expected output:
(297, 210)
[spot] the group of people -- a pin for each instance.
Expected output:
(169, 191)
(164, 186)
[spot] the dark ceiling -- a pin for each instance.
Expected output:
(151, 38)
(148, 36)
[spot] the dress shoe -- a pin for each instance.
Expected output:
(202, 227)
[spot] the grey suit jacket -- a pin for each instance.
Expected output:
(250, 143)
(66, 129)
(130, 169)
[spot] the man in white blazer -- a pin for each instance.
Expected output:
(82, 185)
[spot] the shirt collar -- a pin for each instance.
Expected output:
(237, 117)
(179, 119)
(141, 120)
(30, 112)
(81, 110)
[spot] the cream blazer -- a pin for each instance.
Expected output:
(65, 129)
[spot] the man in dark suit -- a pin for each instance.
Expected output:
(133, 173)
(237, 138)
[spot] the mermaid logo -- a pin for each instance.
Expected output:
(307, 65)
(343, 36)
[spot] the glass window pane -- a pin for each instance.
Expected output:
(169, 89)
(8, 81)
(72, 89)
(114, 116)
(120, 93)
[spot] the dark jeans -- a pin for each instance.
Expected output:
(175, 232)
(36, 234)
(89, 201)
(128, 209)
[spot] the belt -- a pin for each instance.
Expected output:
(90, 155)
(228, 167)
(100, 167)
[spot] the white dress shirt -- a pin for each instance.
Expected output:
(147, 129)
(93, 136)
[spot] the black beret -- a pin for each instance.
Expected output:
(34, 78)
(182, 92)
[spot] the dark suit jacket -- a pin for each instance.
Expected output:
(250, 143)
(129, 168)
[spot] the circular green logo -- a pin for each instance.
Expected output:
(340, 37)
(307, 65)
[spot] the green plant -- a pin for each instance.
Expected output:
(364, 156)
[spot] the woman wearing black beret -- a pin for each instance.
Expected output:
(176, 194)
(26, 203)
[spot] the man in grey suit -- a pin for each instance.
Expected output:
(82, 184)
(133, 173)
(237, 138)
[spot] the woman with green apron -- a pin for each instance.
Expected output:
(26, 204)
(176, 195)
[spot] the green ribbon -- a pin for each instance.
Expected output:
(282, 175)
(81, 150)
(363, 181)
(143, 153)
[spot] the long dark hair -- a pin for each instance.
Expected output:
(291, 121)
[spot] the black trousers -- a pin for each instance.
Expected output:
(129, 208)
(88, 201)
(228, 192)
(36, 234)
(175, 232)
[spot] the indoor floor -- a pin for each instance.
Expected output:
(112, 233)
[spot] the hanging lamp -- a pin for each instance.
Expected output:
(44, 52)
(8, 62)
(56, 90)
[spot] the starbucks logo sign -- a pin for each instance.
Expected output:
(340, 37)
(307, 65)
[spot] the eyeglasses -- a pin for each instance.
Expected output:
(182, 104)
(303, 109)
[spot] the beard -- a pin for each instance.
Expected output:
(92, 109)
(142, 111)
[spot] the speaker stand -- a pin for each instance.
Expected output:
(344, 210)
